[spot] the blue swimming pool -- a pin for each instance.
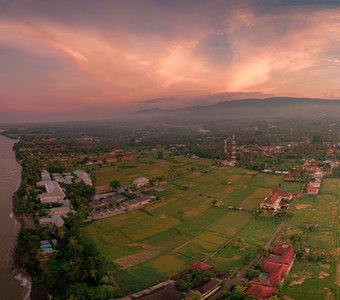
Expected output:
(264, 275)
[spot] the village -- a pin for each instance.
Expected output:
(112, 200)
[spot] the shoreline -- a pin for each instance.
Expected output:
(15, 259)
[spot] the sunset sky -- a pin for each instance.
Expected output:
(69, 59)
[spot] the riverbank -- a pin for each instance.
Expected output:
(32, 291)
(14, 284)
(17, 263)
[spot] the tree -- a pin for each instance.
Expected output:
(193, 295)
(160, 155)
(252, 273)
(115, 184)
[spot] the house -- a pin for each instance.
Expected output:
(316, 183)
(273, 201)
(103, 189)
(97, 203)
(260, 291)
(55, 220)
(311, 190)
(140, 182)
(116, 152)
(84, 177)
(209, 288)
(200, 266)
(54, 193)
(274, 269)
(132, 204)
(317, 174)
(118, 198)
(59, 211)
(196, 266)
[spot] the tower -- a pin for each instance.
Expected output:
(233, 151)
(226, 148)
(291, 135)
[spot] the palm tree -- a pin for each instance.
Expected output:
(61, 233)
(193, 295)
(73, 242)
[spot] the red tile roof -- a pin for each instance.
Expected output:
(200, 266)
(260, 291)
(311, 189)
(286, 255)
(276, 194)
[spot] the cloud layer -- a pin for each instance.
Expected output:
(75, 58)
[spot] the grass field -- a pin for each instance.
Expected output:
(147, 246)
(317, 280)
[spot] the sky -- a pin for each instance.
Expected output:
(73, 60)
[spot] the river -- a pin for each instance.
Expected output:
(10, 173)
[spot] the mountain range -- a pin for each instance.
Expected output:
(268, 108)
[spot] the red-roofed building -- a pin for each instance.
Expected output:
(273, 201)
(260, 291)
(311, 190)
(274, 269)
(200, 266)
(282, 255)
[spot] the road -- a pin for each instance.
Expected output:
(243, 271)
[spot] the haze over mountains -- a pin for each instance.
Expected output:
(268, 108)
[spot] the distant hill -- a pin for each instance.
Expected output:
(269, 108)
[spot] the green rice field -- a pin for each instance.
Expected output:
(144, 247)
(320, 279)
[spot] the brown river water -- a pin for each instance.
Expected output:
(10, 172)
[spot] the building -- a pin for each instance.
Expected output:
(273, 201)
(45, 176)
(260, 291)
(196, 266)
(59, 211)
(209, 288)
(84, 177)
(165, 290)
(274, 270)
(311, 189)
(55, 220)
(230, 158)
(140, 182)
(54, 193)
(103, 189)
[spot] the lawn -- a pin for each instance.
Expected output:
(146, 246)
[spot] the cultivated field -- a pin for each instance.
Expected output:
(317, 280)
(149, 245)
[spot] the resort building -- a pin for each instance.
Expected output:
(273, 202)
